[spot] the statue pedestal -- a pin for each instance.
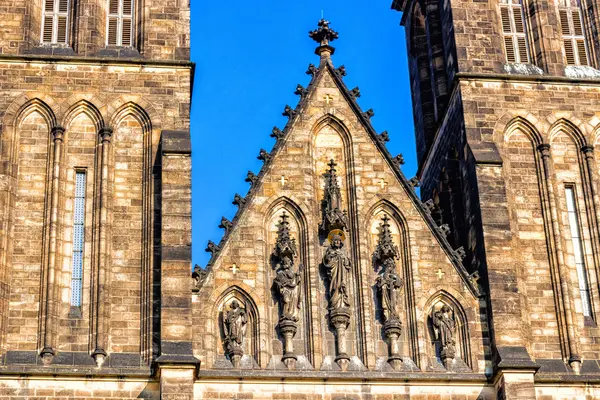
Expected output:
(340, 319)
(392, 329)
(288, 329)
(235, 355)
(447, 355)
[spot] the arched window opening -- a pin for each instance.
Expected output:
(55, 21)
(513, 31)
(578, 252)
(571, 23)
(119, 26)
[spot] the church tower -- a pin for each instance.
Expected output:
(506, 98)
(95, 215)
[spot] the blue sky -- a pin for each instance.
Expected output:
(249, 56)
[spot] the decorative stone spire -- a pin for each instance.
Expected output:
(386, 249)
(324, 35)
(285, 245)
(333, 216)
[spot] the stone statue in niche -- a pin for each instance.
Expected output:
(337, 265)
(444, 326)
(234, 326)
(389, 284)
(287, 284)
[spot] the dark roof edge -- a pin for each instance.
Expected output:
(94, 60)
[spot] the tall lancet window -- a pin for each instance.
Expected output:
(119, 26)
(513, 31)
(584, 287)
(78, 238)
(55, 21)
(571, 24)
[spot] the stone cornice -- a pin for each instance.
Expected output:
(86, 60)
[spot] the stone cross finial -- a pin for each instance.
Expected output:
(323, 34)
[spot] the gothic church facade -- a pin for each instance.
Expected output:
(334, 280)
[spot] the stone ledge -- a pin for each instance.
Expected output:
(35, 370)
(342, 376)
(53, 58)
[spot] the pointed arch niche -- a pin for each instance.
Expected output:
(398, 227)
(252, 339)
(576, 217)
(131, 187)
(332, 140)
(303, 341)
(82, 124)
(26, 144)
(463, 359)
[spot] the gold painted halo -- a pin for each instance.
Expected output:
(336, 232)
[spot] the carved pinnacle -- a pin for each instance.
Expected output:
(383, 137)
(399, 160)
(264, 156)
(226, 224)
(277, 133)
(460, 253)
(238, 201)
(312, 70)
(369, 114)
(289, 112)
(251, 178)
(341, 71)
(301, 91)
(212, 248)
(444, 229)
(355, 92)
(429, 205)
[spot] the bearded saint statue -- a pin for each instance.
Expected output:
(338, 270)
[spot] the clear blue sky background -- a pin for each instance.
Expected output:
(249, 57)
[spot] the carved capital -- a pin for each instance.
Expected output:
(58, 132)
(544, 150)
(105, 134)
(588, 151)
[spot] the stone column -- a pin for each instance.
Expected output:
(176, 362)
(99, 353)
(49, 291)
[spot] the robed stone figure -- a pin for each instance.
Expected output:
(445, 330)
(337, 265)
(287, 283)
(235, 324)
(389, 283)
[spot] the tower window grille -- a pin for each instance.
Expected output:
(119, 26)
(55, 21)
(78, 238)
(578, 252)
(513, 31)
(571, 24)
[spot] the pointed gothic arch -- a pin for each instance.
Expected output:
(405, 269)
(462, 335)
(83, 107)
(252, 339)
(274, 211)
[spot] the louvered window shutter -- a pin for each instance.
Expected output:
(55, 21)
(513, 30)
(571, 26)
(120, 23)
